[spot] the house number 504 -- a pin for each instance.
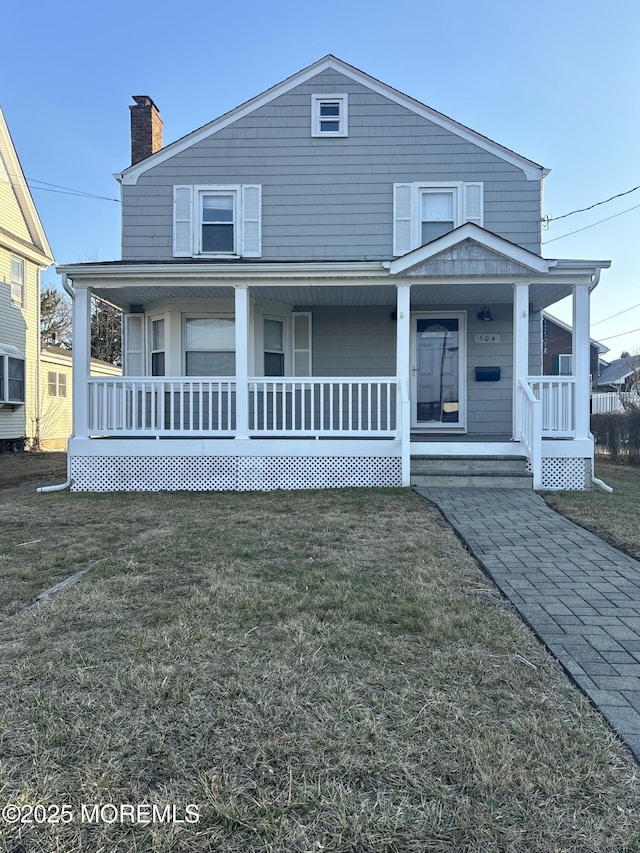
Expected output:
(487, 339)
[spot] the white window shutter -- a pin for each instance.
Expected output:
(402, 218)
(473, 203)
(301, 343)
(183, 222)
(133, 344)
(251, 224)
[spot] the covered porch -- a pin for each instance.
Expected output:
(357, 393)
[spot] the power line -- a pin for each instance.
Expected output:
(548, 219)
(611, 337)
(615, 315)
(56, 188)
(593, 225)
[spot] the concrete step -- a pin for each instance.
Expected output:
(479, 472)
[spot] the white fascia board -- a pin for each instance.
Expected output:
(479, 235)
(24, 197)
(83, 275)
(532, 171)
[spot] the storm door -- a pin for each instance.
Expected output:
(438, 371)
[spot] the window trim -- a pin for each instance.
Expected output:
(283, 352)
(569, 357)
(60, 387)
(223, 315)
(188, 223)
(151, 319)
(18, 283)
(10, 353)
(340, 98)
(468, 206)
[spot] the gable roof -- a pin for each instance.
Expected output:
(532, 171)
(617, 371)
(567, 328)
(37, 248)
(475, 246)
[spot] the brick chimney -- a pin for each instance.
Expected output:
(146, 128)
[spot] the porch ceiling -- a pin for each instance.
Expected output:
(305, 295)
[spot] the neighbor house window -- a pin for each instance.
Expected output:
(217, 221)
(210, 346)
(273, 347)
(57, 383)
(329, 115)
(12, 373)
(17, 281)
(422, 212)
(565, 365)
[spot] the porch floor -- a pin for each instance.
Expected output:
(462, 438)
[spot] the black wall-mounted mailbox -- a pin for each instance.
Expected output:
(487, 374)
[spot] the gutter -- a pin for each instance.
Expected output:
(61, 487)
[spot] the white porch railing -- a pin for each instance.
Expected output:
(557, 395)
(327, 407)
(613, 402)
(179, 406)
(161, 406)
(530, 421)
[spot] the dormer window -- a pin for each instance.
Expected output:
(329, 115)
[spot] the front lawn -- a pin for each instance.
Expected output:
(614, 516)
(306, 671)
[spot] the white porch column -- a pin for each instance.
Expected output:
(81, 365)
(242, 360)
(520, 347)
(403, 366)
(581, 358)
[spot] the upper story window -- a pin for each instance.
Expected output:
(422, 212)
(329, 115)
(12, 384)
(17, 281)
(217, 221)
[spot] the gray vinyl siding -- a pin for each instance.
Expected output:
(353, 341)
(362, 342)
(328, 198)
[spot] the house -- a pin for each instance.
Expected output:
(621, 374)
(557, 343)
(24, 252)
(325, 287)
(56, 390)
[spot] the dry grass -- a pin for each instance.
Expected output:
(314, 671)
(613, 516)
(32, 469)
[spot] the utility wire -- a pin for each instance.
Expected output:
(615, 315)
(619, 335)
(599, 222)
(53, 188)
(547, 219)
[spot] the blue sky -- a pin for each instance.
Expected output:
(555, 81)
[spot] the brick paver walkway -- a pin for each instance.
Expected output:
(580, 595)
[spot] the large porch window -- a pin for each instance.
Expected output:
(210, 346)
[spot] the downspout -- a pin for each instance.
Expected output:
(599, 484)
(61, 487)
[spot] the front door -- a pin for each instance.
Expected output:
(438, 371)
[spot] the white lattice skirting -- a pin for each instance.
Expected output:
(568, 473)
(230, 473)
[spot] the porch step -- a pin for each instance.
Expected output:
(478, 472)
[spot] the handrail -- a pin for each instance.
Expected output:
(530, 428)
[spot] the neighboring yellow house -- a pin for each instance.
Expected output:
(24, 252)
(56, 385)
